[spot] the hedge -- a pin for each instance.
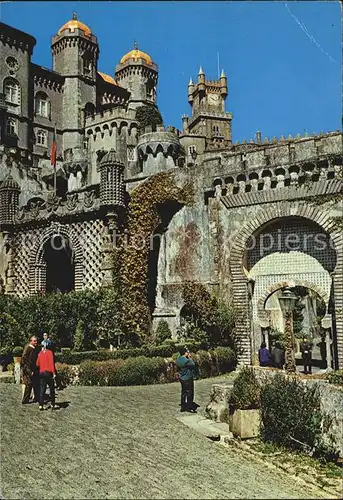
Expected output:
(165, 351)
(143, 370)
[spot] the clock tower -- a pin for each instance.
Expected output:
(209, 118)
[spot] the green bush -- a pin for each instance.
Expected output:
(64, 374)
(140, 371)
(132, 371)
(204, 364)
(17, 351)
(335, 377)
(162, 332)
(225, 359)
(79, 337)
(148, 115)
(245, 393)
(290, 413)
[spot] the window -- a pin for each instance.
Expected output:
(12, 91)
(42, 104)
(131, 153)
(12, 63)
(192, 150)
(11, 126)
(87, 66)
(89, 110)
(42, 139)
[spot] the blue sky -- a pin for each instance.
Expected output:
(282, 60)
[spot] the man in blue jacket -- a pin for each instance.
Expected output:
(186, 367)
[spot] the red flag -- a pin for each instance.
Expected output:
(53, 150)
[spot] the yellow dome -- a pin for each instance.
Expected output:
(136, 54)
(107, 78)
(75, 24)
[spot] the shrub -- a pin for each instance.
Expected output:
(65, 374)
(290, 413)
(79, 336)
(162, 332)
(148, 115)
(204, 364)
(225, 359)
(132, 371)
(335, 377)
(17, 351)
(245, 393)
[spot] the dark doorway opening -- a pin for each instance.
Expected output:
(59, 265)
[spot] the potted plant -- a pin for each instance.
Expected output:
(17, 353)
(244, 404)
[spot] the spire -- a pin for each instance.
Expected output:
(135, 45)
(191, 82)
(74, 16)
(223, 74)
(201, 71)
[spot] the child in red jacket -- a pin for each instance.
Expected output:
(47, 373)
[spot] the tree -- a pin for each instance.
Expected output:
(162, 332)
(148, 115)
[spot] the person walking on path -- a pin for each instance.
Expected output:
(278, 356)
(47, 374)
(306, 353)
(264, 355)
(186, 367)
(30, 372)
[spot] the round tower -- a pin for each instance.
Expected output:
(112, 187)
(137, 73)
(158, 151)
(9, 201)
(223, 85)
(75, 53)
(190, 91)
(201, 80)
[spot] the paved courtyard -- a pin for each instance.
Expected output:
(124, 443)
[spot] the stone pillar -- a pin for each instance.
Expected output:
(338, 314)
(327, 325)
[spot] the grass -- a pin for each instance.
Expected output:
(124, 442)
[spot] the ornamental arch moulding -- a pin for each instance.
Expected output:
(38, 265)
(242, 287)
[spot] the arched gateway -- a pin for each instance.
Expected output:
(243, 288)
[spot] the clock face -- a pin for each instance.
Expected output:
(213, 98)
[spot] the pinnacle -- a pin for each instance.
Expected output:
(201, 71)
(191, 82)
(223, 75)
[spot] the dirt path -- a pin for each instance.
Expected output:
(124, 443)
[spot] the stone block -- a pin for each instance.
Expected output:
(245, 423)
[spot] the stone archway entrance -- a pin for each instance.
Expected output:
(243, 283)
(56, 263)
(59, 265)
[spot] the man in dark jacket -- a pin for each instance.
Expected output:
(30, 371)
(306, 352)
(264, 355)
(186, 367)
(278, 356)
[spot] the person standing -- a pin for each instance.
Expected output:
(47, 374)
(264, 355)
(186, 367)
(306, 353)
(30, 372)
(278, 356)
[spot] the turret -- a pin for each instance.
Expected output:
(223, 84)
(158, 151)
(75, 54)
(9, 201)
(190, 91)
(201, 80)
(112, 187)
(185, 119)
(137, 73)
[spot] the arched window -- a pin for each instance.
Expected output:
(11, 126)
(12, 91)
(89, 110)
(42, 138)
(42, 104)
(87, 66)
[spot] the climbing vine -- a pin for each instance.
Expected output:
(144, 217)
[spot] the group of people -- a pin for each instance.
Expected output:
(277, 356)
(38, 371)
